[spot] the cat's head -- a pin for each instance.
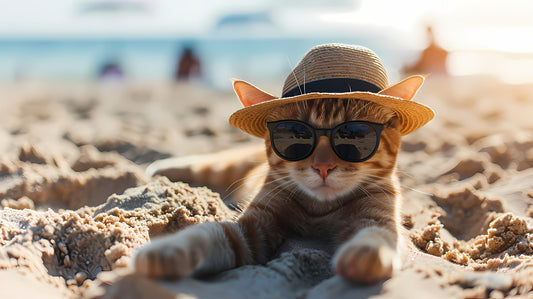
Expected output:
(323, 175)
(320, 173)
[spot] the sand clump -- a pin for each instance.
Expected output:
(67, 248)
(506, 234)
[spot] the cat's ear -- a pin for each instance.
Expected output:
(406, 89)
(249, 94)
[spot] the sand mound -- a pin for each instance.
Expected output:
(76, 204)
(67, 248)
(41, 179)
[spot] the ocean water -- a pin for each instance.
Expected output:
(256, 60)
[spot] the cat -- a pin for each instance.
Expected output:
(354, 206)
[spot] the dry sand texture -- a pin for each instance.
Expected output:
(76, 203)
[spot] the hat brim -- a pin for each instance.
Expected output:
(412, 115)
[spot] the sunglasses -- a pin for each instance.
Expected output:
(353, 141)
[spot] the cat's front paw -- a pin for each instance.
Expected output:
(363, 263)
(171, 257)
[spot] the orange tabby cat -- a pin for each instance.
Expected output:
(330, 172)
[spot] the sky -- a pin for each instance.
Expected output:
(459, 24)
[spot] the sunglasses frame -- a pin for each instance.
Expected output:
(378, 128)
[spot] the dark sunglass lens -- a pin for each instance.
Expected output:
(355, 142)
(292, 140)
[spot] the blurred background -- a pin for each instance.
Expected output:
(259, 40)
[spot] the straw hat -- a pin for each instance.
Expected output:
(333, 71)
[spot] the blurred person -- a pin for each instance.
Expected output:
(188, 66)
(111, 71)
(432, 59)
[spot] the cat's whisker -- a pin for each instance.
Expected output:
(280, 187)
(275, 187)
(253, 175)
(283, 187)
(294, 192)
(387, 170)
(246, 178)
(384, 187)
(294, 75)
(381, 180)
(403, 186)
(383, 190)
(402, 172)
(363, 189)
(277, 179)
(304, 78)
(227, 196)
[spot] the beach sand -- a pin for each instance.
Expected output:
(76, 202)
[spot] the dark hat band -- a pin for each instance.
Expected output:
(333, 85)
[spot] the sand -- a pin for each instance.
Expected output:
(76, 201)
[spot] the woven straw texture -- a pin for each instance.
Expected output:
(335, 61)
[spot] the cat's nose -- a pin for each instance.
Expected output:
(323, 169)
(324, 158)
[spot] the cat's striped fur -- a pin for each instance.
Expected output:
(352, 206)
